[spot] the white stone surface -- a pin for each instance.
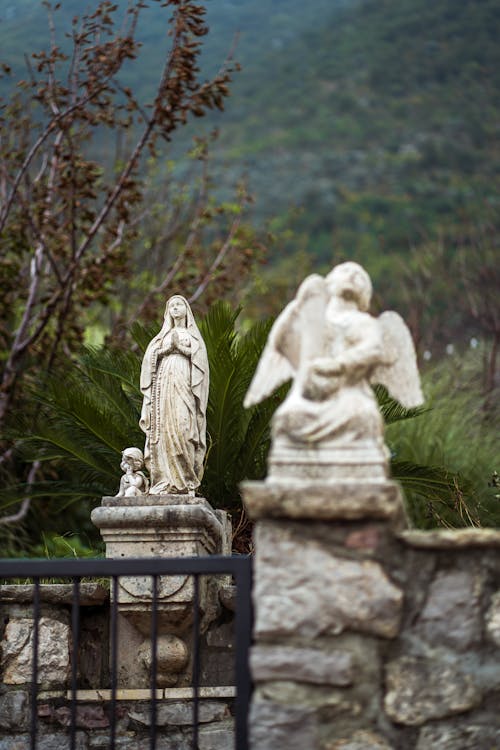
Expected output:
(419, 690)
(493, 619)
(452, 614)
(174, 383)
(302, 589)
(133, 482)
(329, 426)
(174, 694)
(219, 736)
(310, 665)
(452, 538)
(181, 713)
(320, 501)
(53, 652)
(361, 740)
(161, 526)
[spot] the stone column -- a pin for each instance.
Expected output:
(161, 526)
(323, 605)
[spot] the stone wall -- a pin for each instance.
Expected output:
(367, 636)
(174, 707)
(174, 719)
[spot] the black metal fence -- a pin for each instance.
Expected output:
(238, 566)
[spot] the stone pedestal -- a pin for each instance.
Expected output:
(161, 526)
(323, 600)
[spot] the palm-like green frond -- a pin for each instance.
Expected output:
(87, 415)
(238, 438)
(142, 335)
(392, 410)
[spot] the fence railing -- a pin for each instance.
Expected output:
(238, 566)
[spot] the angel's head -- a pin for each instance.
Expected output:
(350, 281)
(134, 458)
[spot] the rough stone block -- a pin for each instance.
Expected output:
(277, 727)
(93, 647)
(346, 500)
(459, 737)
(59, 741)
(221, 636)
(302, 665)
(451, 615)
(14, 710)
(493, 619)
(303, 589)
(217, 667)
(181, 713)
(419, 690)
(87, 717)
(216, 737)
(227, 596)
(53, 652)
(175, 740)
(362, 740)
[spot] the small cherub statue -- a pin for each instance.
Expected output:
(134, 481)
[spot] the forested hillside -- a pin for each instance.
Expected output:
(379, 119)
(381, 123)
(364, 127)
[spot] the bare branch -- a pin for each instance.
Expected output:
(26, 502)
(226, 247)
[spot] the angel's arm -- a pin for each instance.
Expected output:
(366, 351)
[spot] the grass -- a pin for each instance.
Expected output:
(456, 431)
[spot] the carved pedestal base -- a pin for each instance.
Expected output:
(160, 526)
(363, 460)
(322, 501)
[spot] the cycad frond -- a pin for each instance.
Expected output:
(391, 410)
(239, 438)
(142, 335)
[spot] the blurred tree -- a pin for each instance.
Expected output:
(63, 218)
(66, 221)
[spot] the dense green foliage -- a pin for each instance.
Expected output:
(458, 430)
(90, 413)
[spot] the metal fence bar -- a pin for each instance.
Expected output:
(154, 659)
(34, 686)
(196, 659)
(243, 636)
(75, 625)
(238, 566)
(114, 660)
(139, 566)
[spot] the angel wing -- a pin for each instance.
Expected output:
(295, 337)
(399, 372)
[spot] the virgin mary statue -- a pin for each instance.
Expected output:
(174, 383)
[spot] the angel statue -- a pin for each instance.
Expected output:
(133, 482)
(174, 383)
(329, 426)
